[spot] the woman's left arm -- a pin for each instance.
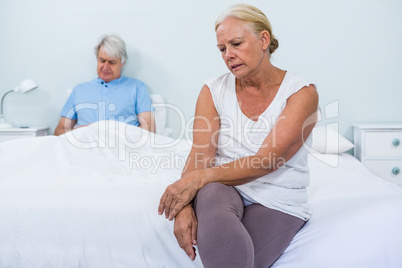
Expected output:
(287, 136)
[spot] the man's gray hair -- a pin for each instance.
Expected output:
(114, 47)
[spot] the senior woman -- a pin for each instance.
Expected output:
(109, 97)
(247, 168)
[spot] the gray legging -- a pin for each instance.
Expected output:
(231, 235)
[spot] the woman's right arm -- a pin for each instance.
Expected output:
(205, 133)
(202, 154)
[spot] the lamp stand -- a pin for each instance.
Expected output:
(4, 124)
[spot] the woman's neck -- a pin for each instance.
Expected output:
(266, 77)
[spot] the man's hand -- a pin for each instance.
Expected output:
(185, 230)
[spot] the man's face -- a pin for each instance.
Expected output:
(108, 68)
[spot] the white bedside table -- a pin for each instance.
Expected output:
(379, 148)
(19, 133)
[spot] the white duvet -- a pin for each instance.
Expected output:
(62, 205)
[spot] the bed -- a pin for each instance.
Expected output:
(89, 199)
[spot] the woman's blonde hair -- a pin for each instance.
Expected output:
(254, 17)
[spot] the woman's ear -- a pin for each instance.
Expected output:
(265, 39)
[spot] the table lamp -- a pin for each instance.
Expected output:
(25, 86)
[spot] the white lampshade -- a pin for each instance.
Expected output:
(25, 85)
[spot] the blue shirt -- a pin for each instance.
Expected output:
(121, 100)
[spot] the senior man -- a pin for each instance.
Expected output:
(109, 97)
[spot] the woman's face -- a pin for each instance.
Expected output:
(241, 50)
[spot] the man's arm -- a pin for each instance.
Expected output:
(147, 121)
(65, 125)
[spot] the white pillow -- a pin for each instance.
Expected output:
(326, 140)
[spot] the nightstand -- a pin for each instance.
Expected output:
(19, 133)
(378, 147)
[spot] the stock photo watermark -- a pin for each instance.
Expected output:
(116, 132)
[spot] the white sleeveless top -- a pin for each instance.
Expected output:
(284, 189)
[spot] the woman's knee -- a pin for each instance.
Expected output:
(212, 191)
(217, 196)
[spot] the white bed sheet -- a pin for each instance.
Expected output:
(356, 220)
(64, 206)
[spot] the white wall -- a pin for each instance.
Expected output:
(350, 49)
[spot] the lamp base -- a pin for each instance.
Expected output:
(5, 125)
